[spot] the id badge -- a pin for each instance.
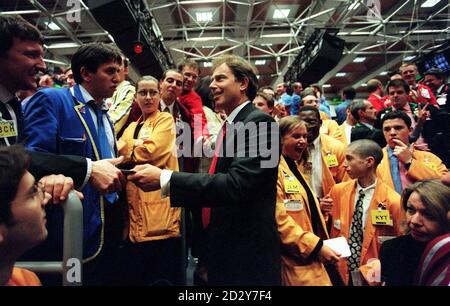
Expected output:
(7, 129)
(291, 185)
(381, 217)
(331, 160)
(293, 205)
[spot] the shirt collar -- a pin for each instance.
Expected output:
(236, 111)
(88, 98)
(5, 95)
(359, 187)
(164, 105)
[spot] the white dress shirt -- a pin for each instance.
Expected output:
(368, 191)
(164, 179)
(315, 158)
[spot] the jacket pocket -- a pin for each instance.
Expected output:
(159, 219)
(72, 146)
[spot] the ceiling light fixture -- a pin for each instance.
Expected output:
(341, 74)
(281, 13)
(430, 3)
(204, 16)
(359, 59)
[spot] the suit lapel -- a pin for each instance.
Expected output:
(347, 212)
(85, 117)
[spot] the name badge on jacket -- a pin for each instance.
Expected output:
(293, 205)
(291, 185)
(331, 160)
(381, 217)
(7, 129)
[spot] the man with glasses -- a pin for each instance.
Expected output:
(22, 215)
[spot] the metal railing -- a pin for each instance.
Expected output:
(73, 246)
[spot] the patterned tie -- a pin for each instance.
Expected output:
(395, 171)
(356, 233)
(206, 211)
(105, 148)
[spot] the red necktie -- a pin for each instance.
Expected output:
(206, 211)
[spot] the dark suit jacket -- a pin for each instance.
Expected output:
(360, 131)
(243, 242)
(399, 259)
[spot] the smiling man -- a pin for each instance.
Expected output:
(74, 121)
(243, 243)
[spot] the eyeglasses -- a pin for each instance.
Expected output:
(38, 190)
(144, 93)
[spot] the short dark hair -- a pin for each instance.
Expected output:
(270, 100)
(356, 106)
(16, 27)
(398, 83)
(93, 55)
(189, 63)
(349, 93)
(309, 108)
(241, 69)
(14, 162)
(436, 72)
(366, 148)
(396, 115)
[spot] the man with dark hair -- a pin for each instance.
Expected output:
(402, 164)
(435, 79)
(324, 166)
(74, 121)
(121, 102)
(365, 115)
(264, 102)
(243, 242)
(348, 94)
(327, 127)
(375, 89)
(22, 215)
(356, 205)
(428, 122)
(21, 58)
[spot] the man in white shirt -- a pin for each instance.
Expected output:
(243, 243)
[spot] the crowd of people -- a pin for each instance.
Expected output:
(261, 179)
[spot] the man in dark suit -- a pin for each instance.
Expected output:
(21, 57)
(365, 115)
(243, 243)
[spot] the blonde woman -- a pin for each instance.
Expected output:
(300, 222)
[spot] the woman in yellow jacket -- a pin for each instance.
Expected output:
(154, 230)
(300, 223)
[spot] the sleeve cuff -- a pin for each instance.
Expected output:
(88, 172)
(164, 181)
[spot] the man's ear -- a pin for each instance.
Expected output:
(370, 160)
(86, 75)
(244, 84)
